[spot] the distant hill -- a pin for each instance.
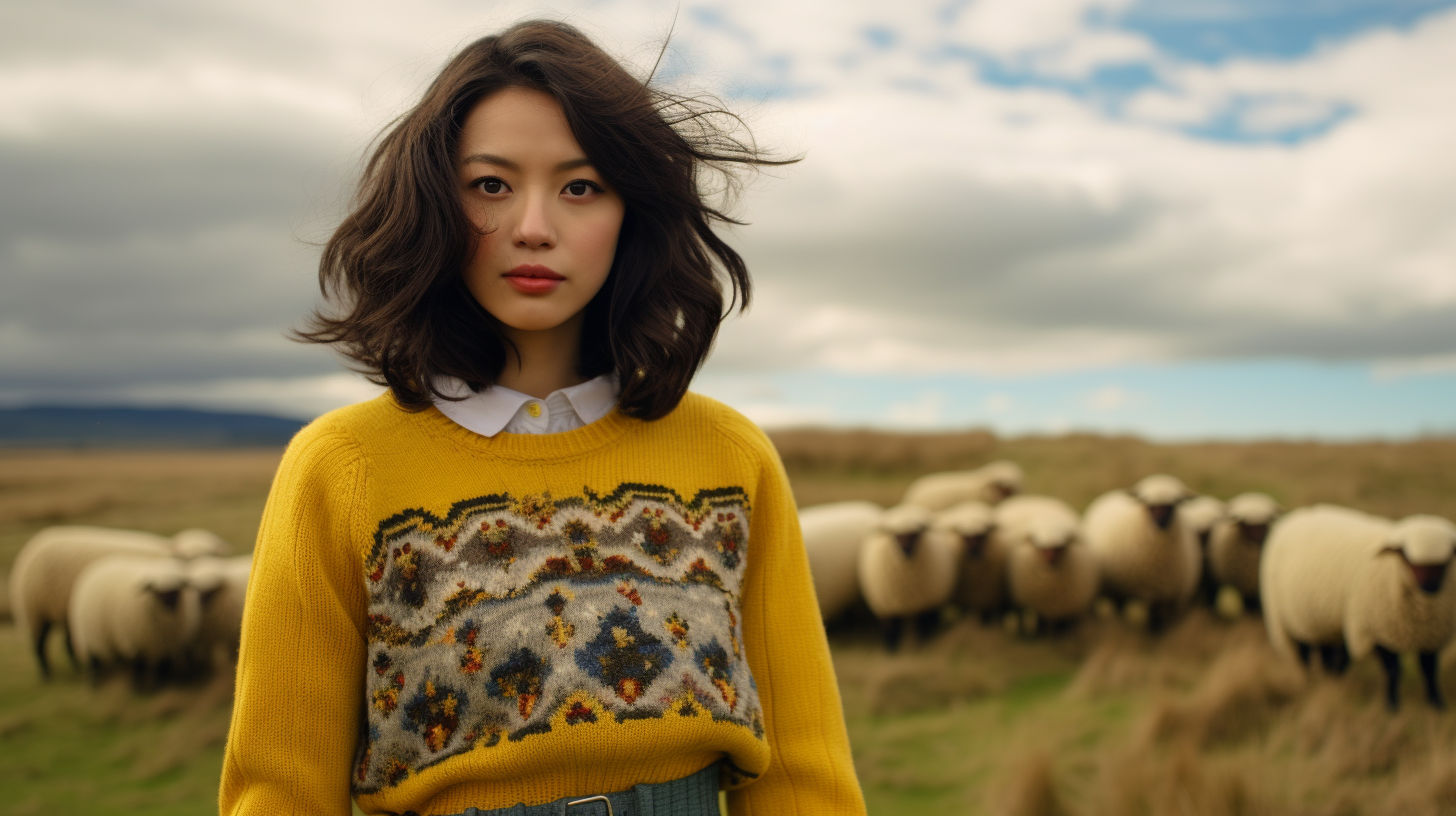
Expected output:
(69, 427)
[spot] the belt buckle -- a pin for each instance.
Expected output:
(598, 798)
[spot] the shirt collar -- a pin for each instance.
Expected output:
(488, 411)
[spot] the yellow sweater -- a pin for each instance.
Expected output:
(438, 620)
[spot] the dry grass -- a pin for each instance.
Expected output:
(1202, 721)
(161, 492)
(1387, 478)
(1205, 720)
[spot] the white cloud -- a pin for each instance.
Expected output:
(938, 223)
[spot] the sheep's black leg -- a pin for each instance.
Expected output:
(1157, 618)
(926, 623)
(1207, 586)
(40, 655)
(1391, 661)
(1252, 604)
(1430, 666)
(1335, 658)
(97, 670)
(1303, 649)
(988, 617)
(71, 650)
(893, 629)
(139, 675)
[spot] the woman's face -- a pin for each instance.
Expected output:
(551, 220)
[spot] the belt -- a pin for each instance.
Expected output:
(693, 795)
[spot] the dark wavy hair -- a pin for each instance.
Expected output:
(392, 271)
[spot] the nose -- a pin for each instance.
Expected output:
(534, 228)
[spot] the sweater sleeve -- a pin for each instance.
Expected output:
(810, 769)
(296, 707)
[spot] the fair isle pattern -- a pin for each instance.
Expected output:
(519, 616)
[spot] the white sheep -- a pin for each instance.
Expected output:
(47, 568)
(221, 585)
(904, 573)
(195, 543)
(833, 534)
(990, 484)
(1237, 543)
(1143, 550)
(968, 529)
(1199, 514)
(1351, 583)
(1050, 571)
(135, 610)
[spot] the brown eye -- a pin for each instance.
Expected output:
(579, 188)
(491, 186)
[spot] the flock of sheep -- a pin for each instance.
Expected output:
(1327, 579)
(156, 606)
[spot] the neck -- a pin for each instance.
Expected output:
(542, 361)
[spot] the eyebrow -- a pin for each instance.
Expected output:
(501, 161)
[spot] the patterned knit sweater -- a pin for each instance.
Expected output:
(438, 620)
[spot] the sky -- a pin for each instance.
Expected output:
(1195, 219)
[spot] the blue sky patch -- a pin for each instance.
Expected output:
(1214, 31)
(1272, 119)
(1234, 399)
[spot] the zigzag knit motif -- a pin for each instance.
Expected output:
(516, 616)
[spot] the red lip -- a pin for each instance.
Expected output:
(533, 279)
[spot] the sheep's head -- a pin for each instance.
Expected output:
(204, 577)
(972, 522)
(1255, 514)
(1200, 513)
(1161, 494)
(905, 523)
(195, 543)
(1003, 480)
(1050, 540)
(166, 589)
(1426, 545)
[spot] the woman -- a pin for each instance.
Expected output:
(537, 571)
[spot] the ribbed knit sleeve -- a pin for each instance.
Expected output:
(810, 768)
(300, 672)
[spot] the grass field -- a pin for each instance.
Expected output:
(1202, 721)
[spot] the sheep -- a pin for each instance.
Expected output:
(221, 585)
(903, 573)
(1199, 514)
(968, 529)
(47, 567)
(1144, 552)
(990, 484)
(1237, 542)
(1351, 583)
(833, 534)
(137, 610)
(1050, 571)
(195, 543)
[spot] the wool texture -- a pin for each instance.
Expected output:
(439, 620)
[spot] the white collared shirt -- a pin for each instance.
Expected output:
(496, 409)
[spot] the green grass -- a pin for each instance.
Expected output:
(69, 748)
